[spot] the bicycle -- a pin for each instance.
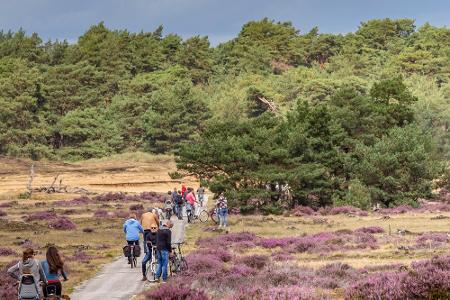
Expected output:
(214, 214)
(132, 258)
(199, 214)
(153, 264)
(51, 293)
(178, 263)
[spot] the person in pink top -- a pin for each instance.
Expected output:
(190, 205)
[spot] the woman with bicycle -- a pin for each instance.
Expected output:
(52, 269)
(149, 248)
(190, 205)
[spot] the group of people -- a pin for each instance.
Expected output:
(157, 235)
(45, 273)
(177, 199)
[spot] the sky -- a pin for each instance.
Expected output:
(220, 20)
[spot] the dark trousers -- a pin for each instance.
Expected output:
(146, 232)
(57, 285)
(132, 243)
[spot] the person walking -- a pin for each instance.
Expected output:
(201, 195)
(222, 205)
(149, 242)
(52, 268)
(179, 204)
(164, 249)
(132, 229)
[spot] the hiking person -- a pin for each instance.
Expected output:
(201, 195)
(149, 242)
(222, 205)
(28, 265)
(179, 204)
(148, 220)
(52, 268)
(132, 228)
(164, 249)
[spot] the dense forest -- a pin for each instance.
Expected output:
(339, 119)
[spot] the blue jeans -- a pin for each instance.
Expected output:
(223, 216)
(163, 262)
(147, 258)
(180, 211)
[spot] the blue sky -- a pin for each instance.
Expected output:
(221, 20)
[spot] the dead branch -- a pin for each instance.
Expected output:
(269, 104)
(30, 181)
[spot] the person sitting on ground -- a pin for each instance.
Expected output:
(148, 220)
(28, 265)
(201, 195)
(164, 249)
(132, 229)
(149, 242)
(52, 268)
(222, 205)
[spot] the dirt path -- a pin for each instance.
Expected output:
(116, 280)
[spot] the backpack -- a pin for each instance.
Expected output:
(179, 200)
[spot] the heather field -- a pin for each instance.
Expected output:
(331, 253)
(340, 253)
(86, 228)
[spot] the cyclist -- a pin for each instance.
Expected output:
(132, 228)
(222, 205)
(149, 242)
(201, 195)
(164, 249)
(28, 265)
(149, 220)
(52, 269)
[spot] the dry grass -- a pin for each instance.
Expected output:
(134, 172)
(387, 253)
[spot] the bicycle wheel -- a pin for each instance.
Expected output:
(153, 266)
(183, 265)
(203, 216)
(215, 217)
(135, 261)
(189, 216)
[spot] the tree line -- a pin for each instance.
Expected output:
(361, 117)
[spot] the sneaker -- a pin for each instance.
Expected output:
(144, 278)
(164, 281)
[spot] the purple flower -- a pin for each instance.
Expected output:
(175, 292)
(7, 251)
(62, 223)
(42, 215)
(370, 229)
(101, 213)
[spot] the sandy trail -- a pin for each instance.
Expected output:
(117, 280)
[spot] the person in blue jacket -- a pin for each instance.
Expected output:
(132, 229)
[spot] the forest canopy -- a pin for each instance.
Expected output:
(351, 118)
